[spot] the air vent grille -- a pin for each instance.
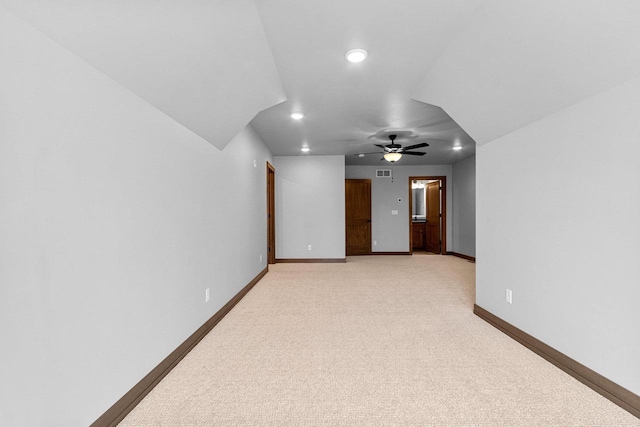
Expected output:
(383, 173)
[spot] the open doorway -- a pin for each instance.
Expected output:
(427, 214)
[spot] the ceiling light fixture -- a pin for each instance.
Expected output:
(305, 149)
(356, 55)
(457, 147)
(392, 157)
(297, 116)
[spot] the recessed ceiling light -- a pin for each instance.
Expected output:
(305, 149)
(356, 55)
(457, 147)
(360, 155)
(297, 116)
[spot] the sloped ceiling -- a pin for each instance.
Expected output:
(519, 61)
(206, 64)
(455, 72)
(350, 107)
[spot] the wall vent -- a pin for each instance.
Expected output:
(383, 173)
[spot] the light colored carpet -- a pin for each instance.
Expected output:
(378, 341)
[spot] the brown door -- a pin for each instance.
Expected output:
(433, 217)
(358, 216)
(271, 215)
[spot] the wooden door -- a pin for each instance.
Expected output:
(271, 215)
(358, 216)
(433, 217)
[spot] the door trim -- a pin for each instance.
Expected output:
(271, 214)
(443, 204)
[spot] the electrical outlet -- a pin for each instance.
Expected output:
(509, 296)
(260, 257)
(207, 295)
(375, 242)
(255, 164)
(308, 247)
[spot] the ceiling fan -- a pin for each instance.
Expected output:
(394, 152)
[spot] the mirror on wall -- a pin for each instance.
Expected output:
(419, 202)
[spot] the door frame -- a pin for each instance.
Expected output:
(271, 214)
(443, 207)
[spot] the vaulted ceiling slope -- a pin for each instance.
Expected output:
(206, 64)
(349, 107)
(461, 72)
(519, 61)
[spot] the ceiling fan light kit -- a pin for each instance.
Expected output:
(392, 157)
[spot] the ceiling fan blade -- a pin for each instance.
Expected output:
(373, 152)
(414, 153)
(411, 147)
(384, 147)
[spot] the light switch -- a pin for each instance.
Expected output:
(394, 212)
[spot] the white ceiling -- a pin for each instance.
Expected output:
(344, 103)
(206, 64)
(519, 61)
(434, 67)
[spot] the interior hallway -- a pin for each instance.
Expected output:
(377, 341)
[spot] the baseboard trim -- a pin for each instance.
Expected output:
(390, 253)
(602, 385)
(459, 255)
(122, 407)
(309, 260)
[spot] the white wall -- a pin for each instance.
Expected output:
(464, 207)
(558, 217)
(113, 221)
(310, 206)
(391, 232)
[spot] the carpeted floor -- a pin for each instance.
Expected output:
(378, 341)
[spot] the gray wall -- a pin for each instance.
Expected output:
(391, 232)
(310, 206)
(464, 206)
(558, 217)
(113, 221)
